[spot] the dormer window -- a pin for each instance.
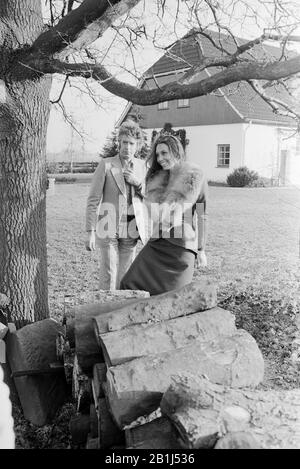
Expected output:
(164, 105)
(183, 103)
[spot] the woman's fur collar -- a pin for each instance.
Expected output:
(181, 184)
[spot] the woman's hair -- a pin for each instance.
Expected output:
(129, 128)
(175, 147)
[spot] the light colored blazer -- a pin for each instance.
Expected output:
(108, 194)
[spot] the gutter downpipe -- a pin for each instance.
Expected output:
(244, 143)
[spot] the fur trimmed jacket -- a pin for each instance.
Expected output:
(177, 199)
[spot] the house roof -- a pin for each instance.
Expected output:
(184, 54)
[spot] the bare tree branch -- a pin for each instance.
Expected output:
(278, 106)
(244, 71)
(61, 92)
(82, 26)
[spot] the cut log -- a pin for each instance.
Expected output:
(33, 347)
(140, 340)
(92, 443)
(196, 296)
(238, 440)
(108, 432)
(79, 428)
(135, 388)
(69, 357)
(87, 348)
(70, 331)
(81, 388)
(93, 421)
(203, 412)
(158, 434)
(99, 377)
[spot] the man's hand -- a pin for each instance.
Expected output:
(90, 243)
(201, 260)
(130, 178)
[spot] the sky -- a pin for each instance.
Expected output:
(92, 123)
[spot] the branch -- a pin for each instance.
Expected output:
(69, 119)
(281, 37)
(244, 71)
(278, 106)
(61, 92)
(82, 26)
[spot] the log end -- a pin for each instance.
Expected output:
(238, 440)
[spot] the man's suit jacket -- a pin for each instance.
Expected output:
(108, 194)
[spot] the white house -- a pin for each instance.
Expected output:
(230, 128)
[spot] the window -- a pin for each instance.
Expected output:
(183, 103)
(223, 156)
(164, 105)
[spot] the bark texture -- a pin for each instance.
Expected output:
(24, 113)
(203, 412)
(196, 296)
(87, 348)
(136, 387)
(142, 340)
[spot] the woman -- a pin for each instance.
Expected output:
(176, 193)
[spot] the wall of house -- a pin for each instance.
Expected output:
(288, 144)
(203, 147)
(264, 145)
(261, 149)
(293, 169)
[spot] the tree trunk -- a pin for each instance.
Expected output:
(141, 340)
(24, 114)
(136, 387)
(203, 412)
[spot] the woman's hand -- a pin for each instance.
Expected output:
(90, 243)
(201, 260)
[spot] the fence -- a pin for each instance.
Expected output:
(71, 167)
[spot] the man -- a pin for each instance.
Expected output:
(115, 217)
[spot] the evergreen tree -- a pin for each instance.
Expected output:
(111, 146)
(145, 150)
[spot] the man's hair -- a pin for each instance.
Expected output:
(175, 147)
(129, 128)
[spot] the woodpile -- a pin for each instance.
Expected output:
(173, 371)
(169, 371)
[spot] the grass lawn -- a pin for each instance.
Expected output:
(254, 238)
(253, 241)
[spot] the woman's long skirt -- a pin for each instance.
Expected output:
(160, 266)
